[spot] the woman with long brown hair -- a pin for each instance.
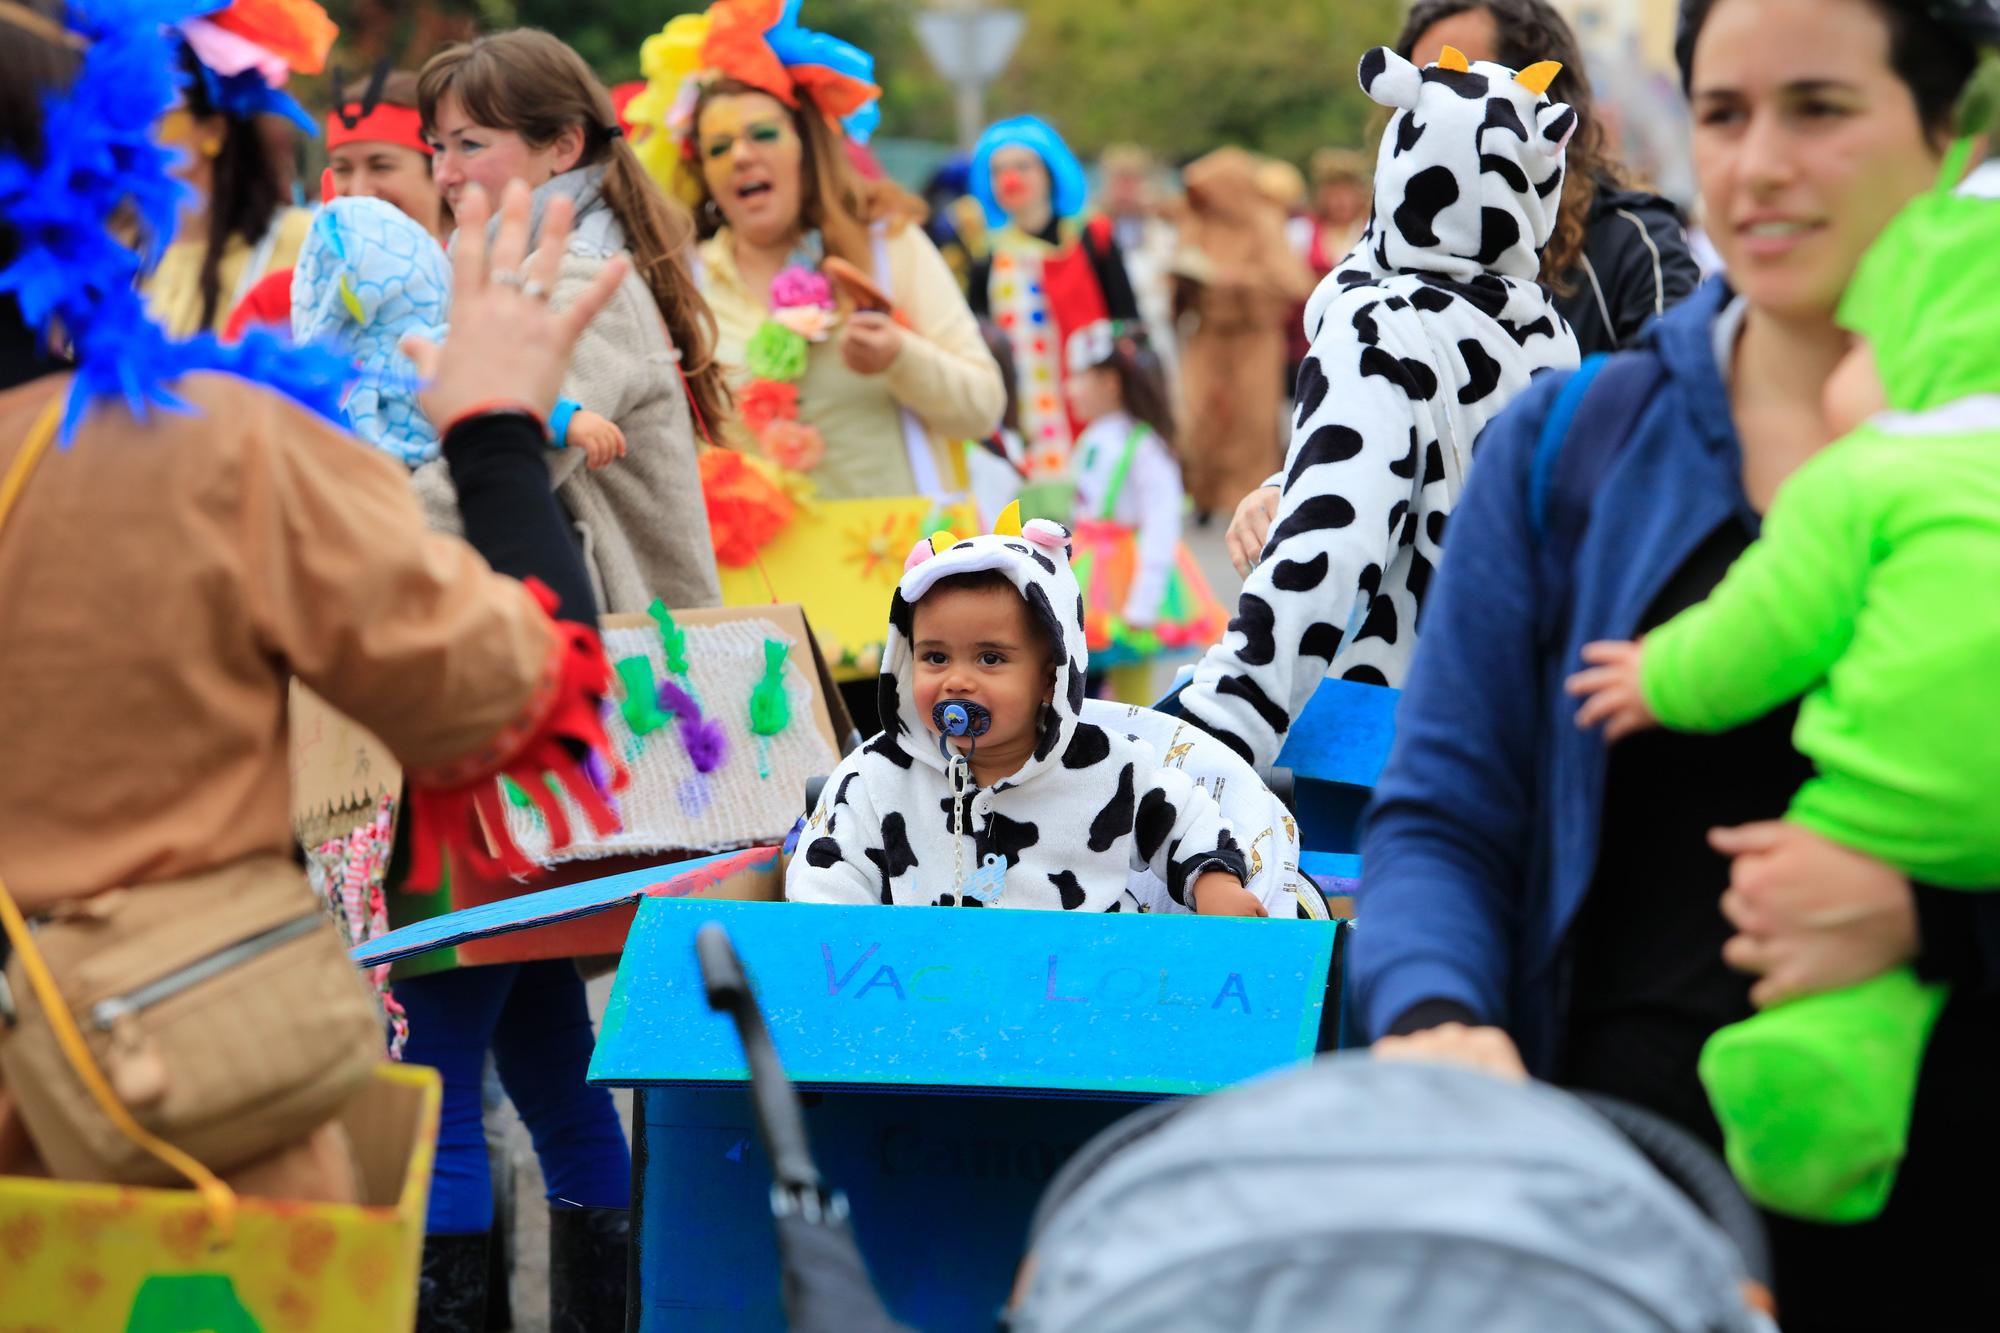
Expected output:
(521, 105)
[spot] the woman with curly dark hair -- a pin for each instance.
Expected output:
(1619, 256)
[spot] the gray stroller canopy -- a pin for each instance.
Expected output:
(1361, 1196)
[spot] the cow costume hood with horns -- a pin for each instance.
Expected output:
(899, 821)
(1419, 338)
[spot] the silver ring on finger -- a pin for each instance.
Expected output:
(535, 291)
(511, 277)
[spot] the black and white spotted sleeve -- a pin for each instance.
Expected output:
(1179, 832)
(1362, 449)
(832, 863)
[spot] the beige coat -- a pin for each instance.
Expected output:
(641, 522)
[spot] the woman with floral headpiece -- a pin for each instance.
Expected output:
(237, 225)
(750, 117)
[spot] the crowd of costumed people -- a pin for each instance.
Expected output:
(1690, 769)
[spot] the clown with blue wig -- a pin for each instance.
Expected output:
(1046, 276)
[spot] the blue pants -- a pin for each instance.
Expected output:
(535, 1019)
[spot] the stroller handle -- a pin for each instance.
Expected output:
(778, 1117)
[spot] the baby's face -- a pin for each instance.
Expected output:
(980, 644)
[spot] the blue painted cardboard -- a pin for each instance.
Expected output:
(941, 1189)
(993, 1000)
(1344, 734)
(531, 911)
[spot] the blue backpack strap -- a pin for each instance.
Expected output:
(1549, 444)
(1572, 459)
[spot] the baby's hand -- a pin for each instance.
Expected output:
(1610, 689)
(601, 440)
(1219, 893)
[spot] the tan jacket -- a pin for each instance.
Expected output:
(944, 373)
(159, 585)
(641, 522)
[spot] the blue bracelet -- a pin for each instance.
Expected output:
(559, 422)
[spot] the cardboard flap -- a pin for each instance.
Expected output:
(753, 873)
(338, 766)
(1344, 733)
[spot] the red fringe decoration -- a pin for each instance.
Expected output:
(468, 819)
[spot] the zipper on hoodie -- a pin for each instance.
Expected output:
(106, 1013)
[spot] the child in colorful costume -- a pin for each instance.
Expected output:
(985, 788)
(1144, 595)
(1433, 325)
(1044, 277)
(1868, 593)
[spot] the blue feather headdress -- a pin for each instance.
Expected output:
(75, 281)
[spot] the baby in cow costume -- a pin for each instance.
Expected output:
(1419, 338)
(985, 789)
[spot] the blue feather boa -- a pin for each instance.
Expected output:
(72, 277)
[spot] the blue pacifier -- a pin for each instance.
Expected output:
(959, 717)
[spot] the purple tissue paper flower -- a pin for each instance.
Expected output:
(706, 740)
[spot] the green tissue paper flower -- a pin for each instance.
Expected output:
(775, 353)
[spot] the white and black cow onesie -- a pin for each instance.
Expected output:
(1065, 831)
(1418, 339)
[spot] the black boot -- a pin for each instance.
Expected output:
(500, 1250)
(588, 1250)
(451, 1292)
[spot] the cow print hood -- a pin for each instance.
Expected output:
(1420, 337)
(1035, 558)
(1469, 176)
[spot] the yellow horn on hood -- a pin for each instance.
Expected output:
(1008, 524)
(943, 540)
(1453, 58)
(1537, 77)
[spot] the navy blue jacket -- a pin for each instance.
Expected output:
(1482, 838)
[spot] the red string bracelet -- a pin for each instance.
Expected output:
(496, 406)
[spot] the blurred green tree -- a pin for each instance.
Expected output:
(1179, 76)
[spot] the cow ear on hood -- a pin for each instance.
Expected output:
(1047, 534)
(1556, 122)
(1389, 79)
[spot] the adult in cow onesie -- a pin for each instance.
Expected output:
(1418, 339)
(1025, 805)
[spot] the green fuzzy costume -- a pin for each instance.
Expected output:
(1871, 593)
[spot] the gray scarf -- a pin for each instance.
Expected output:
(595, 232)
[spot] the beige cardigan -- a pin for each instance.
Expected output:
(641, 522)
(944, 373)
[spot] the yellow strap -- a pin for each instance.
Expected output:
(221, 1200)
(39, 436)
